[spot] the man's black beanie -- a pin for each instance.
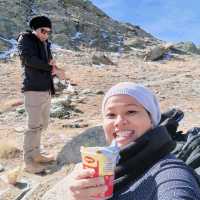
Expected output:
(40, 21)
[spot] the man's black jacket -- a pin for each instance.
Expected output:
(34, 58)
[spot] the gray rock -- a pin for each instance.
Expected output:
(135, 42)
(75, 125)
(157, 52)
(62, 108)
(59, 85)
(20, 110)
(59, 112)
(62, 101)
(71, 151)
(188, 47)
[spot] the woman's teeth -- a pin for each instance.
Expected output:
(124, 133)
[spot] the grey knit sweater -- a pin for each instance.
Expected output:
(168, 179)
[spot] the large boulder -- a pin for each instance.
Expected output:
(71, 154)
(71, 151)
(157, 52)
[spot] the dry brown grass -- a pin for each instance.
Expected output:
(8, 149)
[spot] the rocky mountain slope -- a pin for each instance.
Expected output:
(75, 23)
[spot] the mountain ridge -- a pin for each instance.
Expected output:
(75, 23)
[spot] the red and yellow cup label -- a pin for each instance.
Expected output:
(102, 165)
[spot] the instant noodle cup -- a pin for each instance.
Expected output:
(103, 160)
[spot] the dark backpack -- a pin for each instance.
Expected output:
(187, 144)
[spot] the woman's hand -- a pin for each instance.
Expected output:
(82, 186)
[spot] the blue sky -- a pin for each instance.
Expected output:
(169, 20)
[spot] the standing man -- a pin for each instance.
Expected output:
(38, 67)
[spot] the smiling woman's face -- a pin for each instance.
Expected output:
(124, 119)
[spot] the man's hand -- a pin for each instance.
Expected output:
(54, 67)
(52, 62)
(57, 71)
(54, 70)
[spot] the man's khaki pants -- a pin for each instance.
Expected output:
(37, 105)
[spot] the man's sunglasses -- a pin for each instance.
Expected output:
(44, 31)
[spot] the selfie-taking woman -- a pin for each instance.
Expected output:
(146, 169)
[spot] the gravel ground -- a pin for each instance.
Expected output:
(176, 83)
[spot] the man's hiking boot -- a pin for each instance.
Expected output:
(44, 158)
(35, 168)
